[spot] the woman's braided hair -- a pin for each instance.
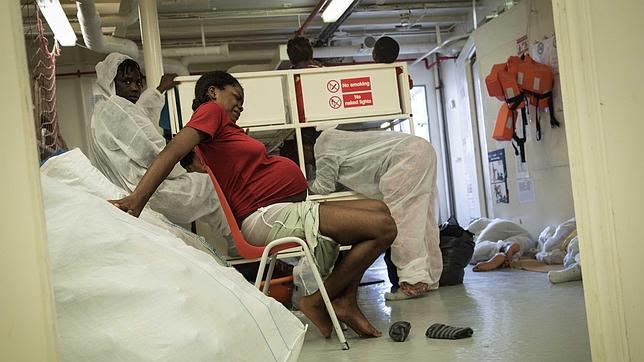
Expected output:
(219, 79)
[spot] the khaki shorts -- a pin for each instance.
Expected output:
(302, 219)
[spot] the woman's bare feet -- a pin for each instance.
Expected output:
(494, 262)
(348, 312)
(314, 309)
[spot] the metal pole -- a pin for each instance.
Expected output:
(151, 40)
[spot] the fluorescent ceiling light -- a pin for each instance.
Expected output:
(334, 10)
(58, 22)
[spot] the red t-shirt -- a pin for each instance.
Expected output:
(249, 177)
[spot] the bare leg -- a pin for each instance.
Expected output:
(364, 204)
(509, 250)
(494, 262)
(370, 233)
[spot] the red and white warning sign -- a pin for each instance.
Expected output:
(356, 84)
(356, 92)
(362, 99)
(333, 86)
(335, 102)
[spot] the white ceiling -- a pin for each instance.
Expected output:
(263, 24)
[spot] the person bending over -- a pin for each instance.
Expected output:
(125, 141)
(266, 195)
(399, 169)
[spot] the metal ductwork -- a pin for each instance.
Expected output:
(90, 22)
(221, 50)
(441, 46)
(246, 55)
(357, 51)
(318, 53)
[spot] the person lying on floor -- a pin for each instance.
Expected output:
(124, 141)
(266, 196)
(399, 169)
(498, 243)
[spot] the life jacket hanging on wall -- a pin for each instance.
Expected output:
(502, 84)
(537, 81)
(520, 82)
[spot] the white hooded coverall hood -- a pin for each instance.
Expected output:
(124, 142)
(399, 169)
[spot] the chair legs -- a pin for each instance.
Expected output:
(269, 274)
(316, 275)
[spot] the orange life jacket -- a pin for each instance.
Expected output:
(520, 82)
(504, 131)
(502, 84)
(537, 80)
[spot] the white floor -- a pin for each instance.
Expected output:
(516, 316)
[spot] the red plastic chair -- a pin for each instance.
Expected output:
(249, 251)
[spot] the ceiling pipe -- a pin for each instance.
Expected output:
(128, 15)
(441, 46)
(307, 10)
(318, 53)
(327, 32)
(310, 18)
(90, 23)
(194, 51)
(246, 55)
(175, 66)
(357, 51)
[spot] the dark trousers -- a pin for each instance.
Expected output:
(392, 272)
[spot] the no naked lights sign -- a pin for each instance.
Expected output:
(356, 92)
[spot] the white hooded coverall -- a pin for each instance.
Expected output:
(399, 169)
(124, 142)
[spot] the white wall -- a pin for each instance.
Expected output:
(547, 160)
(27, 315)
(600, 55)
(461, 138)
(74, 102)
(422, 76)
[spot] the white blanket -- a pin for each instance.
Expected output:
(127, 290)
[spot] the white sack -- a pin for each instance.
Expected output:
(73, 168)
(127, 290)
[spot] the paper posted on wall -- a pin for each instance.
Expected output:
(545, 51)
(498, 176)
(525, 190)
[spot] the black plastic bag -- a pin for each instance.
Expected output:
(457, 247)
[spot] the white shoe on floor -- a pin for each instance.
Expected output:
(569, 274)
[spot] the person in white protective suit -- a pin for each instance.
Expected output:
(399, 169)
(125, 141)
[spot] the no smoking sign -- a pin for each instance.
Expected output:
(333, 86)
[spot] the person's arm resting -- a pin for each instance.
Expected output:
(180, 145)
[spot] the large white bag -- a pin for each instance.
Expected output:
(127, 290)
